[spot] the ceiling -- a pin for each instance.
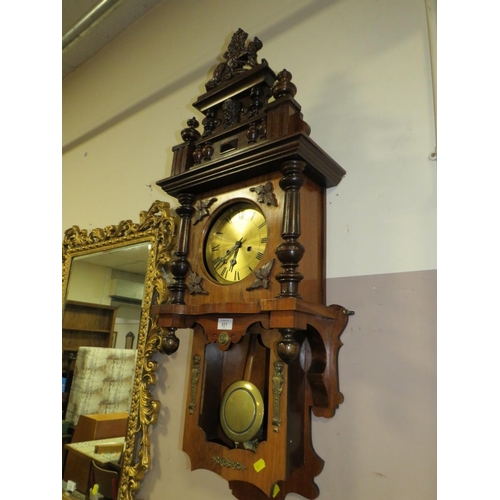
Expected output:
(89, 25)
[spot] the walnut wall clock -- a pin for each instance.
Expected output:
(249, 278)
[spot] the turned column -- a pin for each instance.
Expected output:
(291, 251)
(180, 267)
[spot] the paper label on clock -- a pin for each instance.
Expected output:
(225, 324)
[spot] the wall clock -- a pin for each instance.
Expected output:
(249, 278)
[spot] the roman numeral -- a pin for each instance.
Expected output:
(215, 248)
(259, 255)
(263, 224)
(263, 240)
(223, 273)
(217, 263)
(236, 276)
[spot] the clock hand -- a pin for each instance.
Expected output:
(220, 261)
(237, 249)
(234, 248)
(228, 253)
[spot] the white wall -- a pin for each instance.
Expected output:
(89, 283)
(364, 82)
(362, 69)
(122, 328)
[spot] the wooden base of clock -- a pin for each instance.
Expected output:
(234, 343)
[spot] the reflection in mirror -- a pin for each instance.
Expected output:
(111, 277)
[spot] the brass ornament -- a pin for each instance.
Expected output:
(241, 411)
(278, 383)
(195, 375)
(223, 338)
(226, 462)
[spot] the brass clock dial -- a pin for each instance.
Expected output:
(235, 243)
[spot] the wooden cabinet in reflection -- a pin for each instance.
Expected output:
(87, 324)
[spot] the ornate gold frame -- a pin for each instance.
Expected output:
(158, 226)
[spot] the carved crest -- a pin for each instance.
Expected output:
(239, 57)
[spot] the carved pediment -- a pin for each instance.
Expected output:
(246, 107)
(239, 57)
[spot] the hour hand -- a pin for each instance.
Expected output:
(237, 245)
(236, 250)
(233, 263)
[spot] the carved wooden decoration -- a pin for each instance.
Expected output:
(251, 190)
(265, 194)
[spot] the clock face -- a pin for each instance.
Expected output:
(236, 243)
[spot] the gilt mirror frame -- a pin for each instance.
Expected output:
(159, 227)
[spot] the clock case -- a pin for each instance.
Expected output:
(273, 328)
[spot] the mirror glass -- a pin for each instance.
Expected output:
(113, 277)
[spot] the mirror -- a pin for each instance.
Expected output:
(110, 279)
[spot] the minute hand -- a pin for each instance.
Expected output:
(235, 249)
